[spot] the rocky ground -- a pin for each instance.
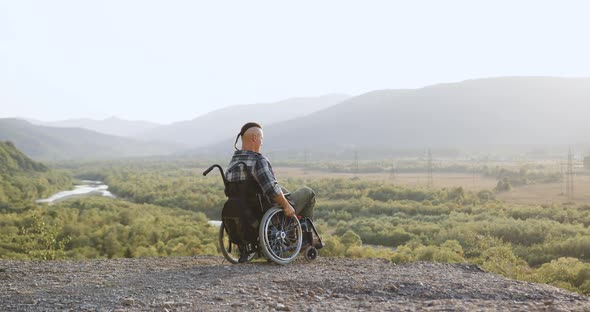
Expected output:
(326, 284)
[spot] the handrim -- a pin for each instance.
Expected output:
(281, 236)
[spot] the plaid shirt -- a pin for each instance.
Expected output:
(260, 168)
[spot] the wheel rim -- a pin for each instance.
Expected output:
(281, 237)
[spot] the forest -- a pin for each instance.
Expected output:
(23, 180)
(162, 209)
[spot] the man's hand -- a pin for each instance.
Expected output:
(289, 211)
(287, 208)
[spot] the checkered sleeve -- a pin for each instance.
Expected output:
(265, 176)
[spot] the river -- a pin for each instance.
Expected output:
(90, 188)
(215, 222)
(87, 188)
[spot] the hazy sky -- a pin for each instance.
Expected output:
(166, 61)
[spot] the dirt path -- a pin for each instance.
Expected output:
(207, 284)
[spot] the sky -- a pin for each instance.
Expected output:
(166, 61)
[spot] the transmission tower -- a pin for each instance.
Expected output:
(356, 163)
(429, 180)
(562, 175)
(392, 172)
(569, 179)
(474, 171)
(305, 160)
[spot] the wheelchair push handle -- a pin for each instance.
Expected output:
(206, 172)
(225, 183)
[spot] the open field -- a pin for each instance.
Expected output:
(549, 193)
(442, 180)
(536, 194)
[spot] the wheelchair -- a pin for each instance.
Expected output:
(273, 236)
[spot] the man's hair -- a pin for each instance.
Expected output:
(244, 129)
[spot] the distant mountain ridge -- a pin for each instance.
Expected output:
(491, 111)
(53, 143)
(112, 126)
(505, 111)
(219, 124)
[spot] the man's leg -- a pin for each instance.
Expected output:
(304, 199)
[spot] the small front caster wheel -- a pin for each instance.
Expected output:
(311, 253)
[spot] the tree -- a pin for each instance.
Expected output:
(503, 185)
(111, 245)
(40, 240)
(350, 239)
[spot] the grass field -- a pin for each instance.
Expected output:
(442, 180)
(549, 193)
(536, 194)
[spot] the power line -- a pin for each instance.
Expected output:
(569, 179)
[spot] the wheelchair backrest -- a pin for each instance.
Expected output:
(243, 209)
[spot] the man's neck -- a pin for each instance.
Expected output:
(250, 150)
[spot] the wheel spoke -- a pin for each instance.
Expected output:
(292, 240)
(291, 229)
(282, 237)
(289, 225)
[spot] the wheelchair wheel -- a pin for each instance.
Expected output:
(280, 236)
(225, 246)
(311, 253)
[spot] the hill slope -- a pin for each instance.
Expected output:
(329, 284)
(226, 122)
(13, 161)
(484, 112)
(23, 180)
(51, 143)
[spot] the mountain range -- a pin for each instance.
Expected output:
(112, 126)
(223, 123)
(51, 143)
(483, 112)
(114, 137)
(512, 111)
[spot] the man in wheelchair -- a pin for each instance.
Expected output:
(249, 172)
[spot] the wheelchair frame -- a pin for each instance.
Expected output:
(280, 238)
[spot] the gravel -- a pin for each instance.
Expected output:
(207, 283)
